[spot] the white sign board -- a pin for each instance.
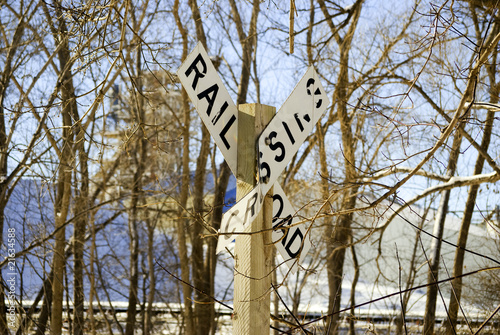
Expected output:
(212, 101)
(291, 239)
(277, 144)
(289, 128)
(239, 217)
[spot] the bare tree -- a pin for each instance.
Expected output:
(470, 204)
(91, 110)
(5, 135)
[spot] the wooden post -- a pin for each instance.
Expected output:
(253, 253)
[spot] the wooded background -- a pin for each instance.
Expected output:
(115, 190)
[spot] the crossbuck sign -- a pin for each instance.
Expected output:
(277, 144)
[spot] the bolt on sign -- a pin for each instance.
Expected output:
(278, 143)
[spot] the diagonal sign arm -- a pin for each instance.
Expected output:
(290, 237)
(289, 128)
(277, 144)
(212, 101)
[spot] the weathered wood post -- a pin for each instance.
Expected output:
(253, 252)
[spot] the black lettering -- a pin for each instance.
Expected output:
(290, 243)
(194, 67)
(218, 115)
(228, 225)
(250, 208)
(301, 127)
(281, 225)
(310, 82)
(261, 197)
(275, 146)
(225, 130)
(210, 94)
(289, 133)
(282, 205)
(318, 104)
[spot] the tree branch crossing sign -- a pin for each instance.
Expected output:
(277, 144)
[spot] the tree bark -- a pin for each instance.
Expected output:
(211, 257)
(201, 278)
(352, 323)
(46, 305)
(490, 44)
(456, 293)
(66, 166)
(78, 246)
(435, 253)
(339, 237)
(148, 324)
(184, 190)
(82, 206)
(140, 159)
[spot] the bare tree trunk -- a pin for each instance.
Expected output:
(134, 261)
(201, 280)
(140, 159)
(181, 232)
(3, 190)
(248, 43)
(63, 194)
(184, 190)
(456, 293)
(341, 235)
(61, 212)
(46, 305)
(352, 326)
(490, 43)
(400, 323)
(78, 294)
(91, 274)
(435, 253)
(200, 277)
(148, 324)
(276, 298)
(47, 290)
(335, 267)
(79, 235)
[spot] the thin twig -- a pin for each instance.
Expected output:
(194, 288)
(210, 296)
(404, 291)
(288, 309)
(487, 320)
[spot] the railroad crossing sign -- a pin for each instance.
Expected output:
(277, 144)
(212, 101)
